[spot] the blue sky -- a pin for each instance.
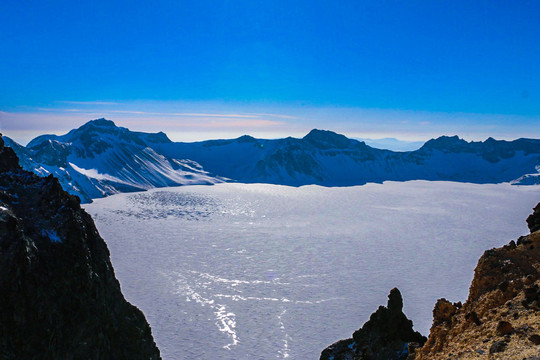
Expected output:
(407, 69)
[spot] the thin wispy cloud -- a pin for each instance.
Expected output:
(48, 109)
(61, 110)
(215, 115)
(204, 115)
(165, 114)
(88, 102)
(228, 124)
(194, 121)
(131, 112)
(278, 116)
(185, 114)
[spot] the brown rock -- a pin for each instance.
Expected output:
(497, 346)
(535, 339)
(505, 280)
(472, 316)
(531, 293)
(503, 286)
(443, 311)
(411, 349)
(504, 327)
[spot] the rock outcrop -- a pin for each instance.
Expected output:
(499, 320)
(59, 298)
(388, 335)
(533, 221)
(501, 317)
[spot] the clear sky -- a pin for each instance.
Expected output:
(206, 69)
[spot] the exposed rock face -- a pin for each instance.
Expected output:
(59, 298)
(499, 320)
(386, 336)
(501, 317)
(533, 221)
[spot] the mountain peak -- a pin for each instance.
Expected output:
(102, 122)
(445, 143)
(246, 139)
(327, 139)
(99, 123)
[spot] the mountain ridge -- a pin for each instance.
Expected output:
(100, 159)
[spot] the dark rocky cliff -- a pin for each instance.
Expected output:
(388, 335)
(533, 221)
(59, 298)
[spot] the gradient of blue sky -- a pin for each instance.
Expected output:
(410, 69)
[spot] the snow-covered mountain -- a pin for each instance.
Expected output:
(326, 158)
(99, 159)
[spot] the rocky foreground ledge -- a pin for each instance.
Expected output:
(388, 335)
(499, 320)
(59, 298)
(501, 317)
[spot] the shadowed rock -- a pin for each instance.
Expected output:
(59, 298)
(386, 336)
(533, 221)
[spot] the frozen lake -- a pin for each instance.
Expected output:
(252, 271)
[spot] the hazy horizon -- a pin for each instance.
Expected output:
(24, 128)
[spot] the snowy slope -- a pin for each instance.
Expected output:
(99, 159)
(327, 158)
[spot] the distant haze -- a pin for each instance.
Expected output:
(197, 121)
(393, 144)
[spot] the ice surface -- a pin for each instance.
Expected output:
(238, 271)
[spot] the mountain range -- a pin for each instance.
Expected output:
(100, 159)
